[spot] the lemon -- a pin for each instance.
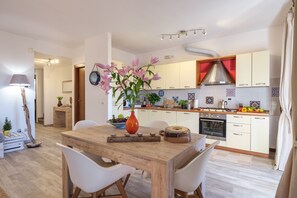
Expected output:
(120, 116)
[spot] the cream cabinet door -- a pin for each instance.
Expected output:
(260, 68)
(189, 120)
(155, 115)
(244, 70)
(159, 84)
(260, 134)
(169, 117)
(187, 74)
(238, 136)
(172, 76)
(143, 117)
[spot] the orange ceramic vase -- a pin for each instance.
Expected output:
(132, 124)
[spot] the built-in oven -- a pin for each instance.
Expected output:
(213, 125)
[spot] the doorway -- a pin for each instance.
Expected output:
(79, 93)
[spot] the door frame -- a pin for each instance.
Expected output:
(76, 92)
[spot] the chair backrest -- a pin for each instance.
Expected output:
(84, 124)
(88, 175)
(158, 124)
(189, 177)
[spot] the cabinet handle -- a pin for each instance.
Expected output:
(158, 87)
(154, 111)
(171, 87)
(243, 84)
(260, 83)
(237, 125)
(186, 113)
(259, 118)
(168, 112)
(186, 86)
(237, 134)
(237, 116)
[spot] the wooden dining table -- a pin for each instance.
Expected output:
(161, 159)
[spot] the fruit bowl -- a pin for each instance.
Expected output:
(119, 125)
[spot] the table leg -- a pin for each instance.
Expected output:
(66, 182)
(162, 180)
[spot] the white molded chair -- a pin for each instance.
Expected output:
(189, 178)
(92, 178)
(84, 124)
(158, 124)
(99, 160)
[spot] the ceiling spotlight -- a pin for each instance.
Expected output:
(182, 33)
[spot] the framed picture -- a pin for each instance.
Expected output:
(67, 86)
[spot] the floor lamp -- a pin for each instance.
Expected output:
(21, 80)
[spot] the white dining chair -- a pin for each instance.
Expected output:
(189, 178)
(92, 178)
(98, 159)
(158, 124)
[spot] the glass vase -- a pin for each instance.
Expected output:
(132, 124)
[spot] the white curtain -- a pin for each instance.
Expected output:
(285, 136)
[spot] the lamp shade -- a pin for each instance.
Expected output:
(19, 80)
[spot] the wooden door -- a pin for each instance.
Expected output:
(79, 94)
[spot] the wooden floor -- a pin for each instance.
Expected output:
(36, 173)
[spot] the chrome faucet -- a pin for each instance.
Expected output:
(222, 104)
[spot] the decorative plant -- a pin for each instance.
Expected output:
(60, 98)
(153, 98)
(128, 80)
(7, 125)
(183, 104)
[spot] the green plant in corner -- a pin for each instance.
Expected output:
(183, 104)
(7, 125)
(153, 98)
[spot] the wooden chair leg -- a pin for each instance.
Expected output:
(181, 193)
(126, 180)
(76, 192)
(121, 188)
(94, 195)
(198, 191)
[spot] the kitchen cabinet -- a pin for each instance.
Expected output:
(143, 117)
(189, 120)
(169, 117)
(161, 70)
(261, 69)
(244, 70)
(260, 134)
(187, 75)
(155, 115)
(172, 76)
(253, 69)
(238, 134)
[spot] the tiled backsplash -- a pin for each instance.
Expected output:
(229, 93)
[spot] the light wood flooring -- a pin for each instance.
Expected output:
(36, 173)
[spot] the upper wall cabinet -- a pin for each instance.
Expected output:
(187, 74)
(253, 69)
(180, 75)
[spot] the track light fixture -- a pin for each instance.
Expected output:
(181, 33)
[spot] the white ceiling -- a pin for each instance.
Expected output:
(136, 25)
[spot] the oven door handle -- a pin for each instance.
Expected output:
(201, 119)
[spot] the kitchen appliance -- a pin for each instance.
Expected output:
(218, 74)
(222, 104)
(196, 103)
(213, 125)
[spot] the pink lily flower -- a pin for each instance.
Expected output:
(135, 63)
(156, 77)
(139, 73)
(145, 79)
(105, 82)
(101, 66)
(154, 60)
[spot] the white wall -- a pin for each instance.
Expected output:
(15, 58)
(52, 77)
(122, 56)
(98, 104)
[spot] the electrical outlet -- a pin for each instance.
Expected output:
(19, 130)
(26, 130)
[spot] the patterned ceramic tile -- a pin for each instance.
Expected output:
(175, 99)
(191, 96)
(230, 92)
(275, 92)
(255, 104)
(209, 100)
(161, 93)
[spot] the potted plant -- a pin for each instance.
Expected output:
(153, 98)
(59, 101)
(183, 104)
(6, 127)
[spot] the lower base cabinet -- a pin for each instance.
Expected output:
(189, 120)
(239, 140)
(260, 134)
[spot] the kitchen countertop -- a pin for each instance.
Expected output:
(232, 112)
